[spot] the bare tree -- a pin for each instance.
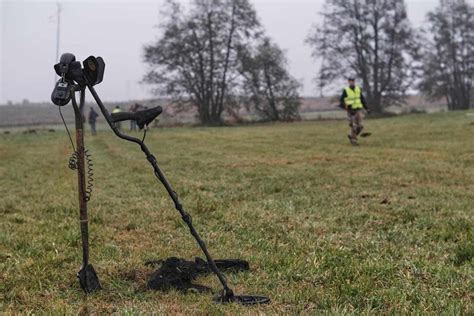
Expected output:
(369, 39)
(194, 60)
(271, 90)
(448, 68)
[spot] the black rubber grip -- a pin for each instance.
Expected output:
(143, 117)
(122, 116)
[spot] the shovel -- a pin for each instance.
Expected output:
(87, 276)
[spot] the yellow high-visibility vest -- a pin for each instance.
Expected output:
(116, 110)
(353, 98)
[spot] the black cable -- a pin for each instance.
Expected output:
(90, 175)
(144, 134)
(73, 162)
(227, 292)
(67, 129)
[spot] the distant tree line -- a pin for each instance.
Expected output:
(374, 41)
(448, 63)
(215, 56)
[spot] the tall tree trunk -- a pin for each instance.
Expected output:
(223, 84)
(376, 91)
(271, 97)
(210, 88)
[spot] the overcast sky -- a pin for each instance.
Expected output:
(117, 31)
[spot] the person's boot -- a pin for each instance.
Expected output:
(353, 140)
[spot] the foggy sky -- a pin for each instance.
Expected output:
(117, 31)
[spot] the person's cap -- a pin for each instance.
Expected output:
(351, 78)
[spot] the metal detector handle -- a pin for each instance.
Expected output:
(81, 176)
(143, 117)
(122, 116)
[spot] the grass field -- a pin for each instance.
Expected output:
(386, 227)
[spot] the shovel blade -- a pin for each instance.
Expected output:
(88, 279)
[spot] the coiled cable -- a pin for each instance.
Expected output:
(90, 174)
(73, 165)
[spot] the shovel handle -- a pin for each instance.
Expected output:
(81, 177)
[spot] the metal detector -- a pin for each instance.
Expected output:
(75, 77)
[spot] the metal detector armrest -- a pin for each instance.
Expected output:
(143, 117)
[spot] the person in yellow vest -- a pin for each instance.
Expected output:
(353, 101)
(117, 109)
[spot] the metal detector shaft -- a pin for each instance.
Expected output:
(159, 174)
(81, 176)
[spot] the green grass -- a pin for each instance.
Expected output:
(386, 227)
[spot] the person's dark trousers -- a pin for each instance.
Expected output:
(355, 122)
(93, 128)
